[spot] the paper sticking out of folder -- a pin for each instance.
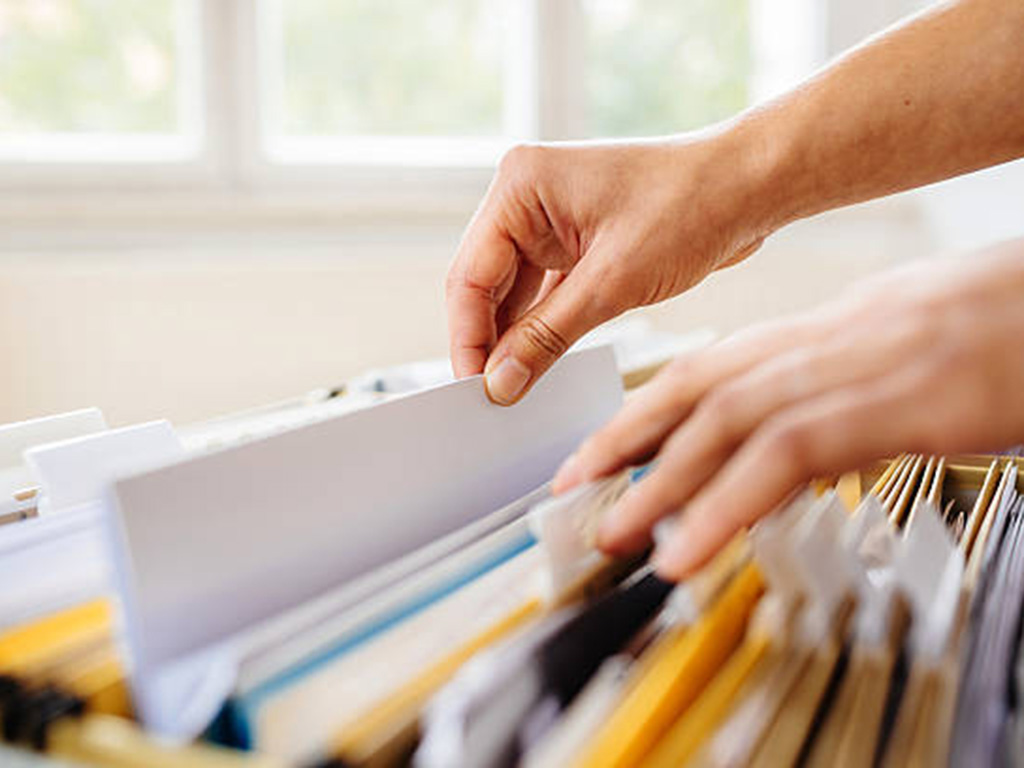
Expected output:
(393, 585)
(61, 555)
(18, 488)
(325, 504)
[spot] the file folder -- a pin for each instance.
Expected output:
(324, 504)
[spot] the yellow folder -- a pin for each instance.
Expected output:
(682, 663)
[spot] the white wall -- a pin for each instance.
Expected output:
(191, 331)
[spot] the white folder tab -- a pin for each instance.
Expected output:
(77, 471)
(19, 437)
(210, 547)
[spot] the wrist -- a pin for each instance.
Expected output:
(765, 172)
(732, 178)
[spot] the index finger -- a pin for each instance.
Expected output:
(826, 435)
(483, 269)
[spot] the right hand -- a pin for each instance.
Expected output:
(569, 236)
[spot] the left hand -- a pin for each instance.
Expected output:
(926, 359)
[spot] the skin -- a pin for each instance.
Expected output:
(569, 236)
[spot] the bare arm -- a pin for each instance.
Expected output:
(569, 236)
(939, 95)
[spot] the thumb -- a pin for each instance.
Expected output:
(541, 336)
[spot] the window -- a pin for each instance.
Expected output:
(415, 77)
(95, 78)
(401, 68)
(250, 91)
(662, 66)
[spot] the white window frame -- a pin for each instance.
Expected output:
(235, 172)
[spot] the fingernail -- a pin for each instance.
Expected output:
(664, 530)
(567, 475)
(506, 382)
(675, 558)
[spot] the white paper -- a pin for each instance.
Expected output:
(48, 563)
(210, 547)
(77, 471)
(17, 438)
(929, 570)
(566, 527)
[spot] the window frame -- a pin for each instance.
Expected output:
(235, 161)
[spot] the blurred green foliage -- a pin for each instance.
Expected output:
(402, 67)
(88, 66)
(367, 67)
(661, 66)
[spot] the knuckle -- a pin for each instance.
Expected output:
(796, 373)
(789, 443)
(519, 161)
(721, 411)
(542, 338)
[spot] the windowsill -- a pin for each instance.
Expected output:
(380, 208)
(23, 150)
(385, 152)
(428, 207)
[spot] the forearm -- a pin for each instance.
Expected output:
(941, 95)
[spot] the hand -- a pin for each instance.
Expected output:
(570, 236)
(926, 359)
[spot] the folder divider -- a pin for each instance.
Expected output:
(792, 725)
(981, 506)
(930, 572)
(897, 482)
(851, 725)
(935, 494)
(903, 493)
(16, 481)
(566, 527)
(976, 556)
(925, 484)
(829, 575)
(881, 486)
(850, 733)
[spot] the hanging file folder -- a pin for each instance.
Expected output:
(213, 546)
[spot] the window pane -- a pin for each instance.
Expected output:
(660, 66)
(88, 66)
(402, 67)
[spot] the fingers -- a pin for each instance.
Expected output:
(728, 415)
(527, 288)
(833, 433)
(647, 419)
(536, 340)
(484, 268)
